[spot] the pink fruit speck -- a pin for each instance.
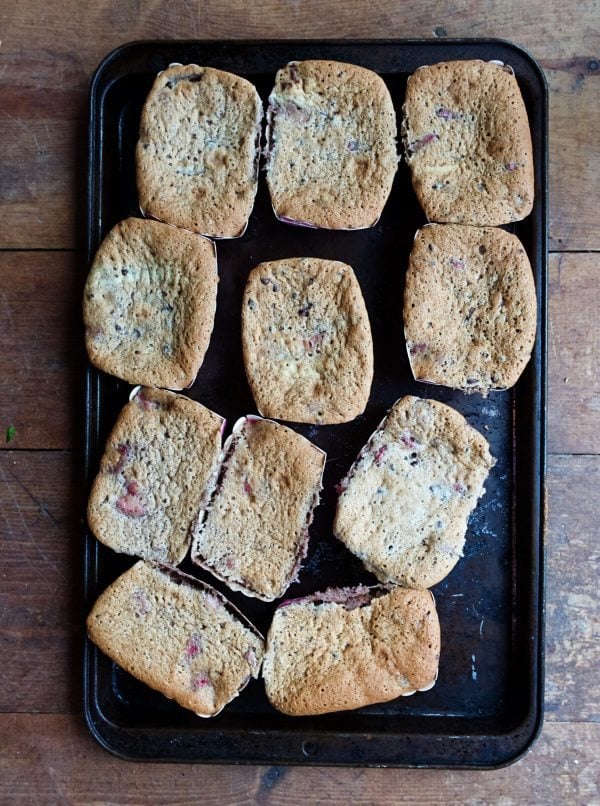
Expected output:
(444, 114)
(124, 451)
(408, 440)
(131, 505)
(418, 348)
(456, 263)
(316, 340)
(247, 487)
(417, 145)
(352, 145)
(250, 657)
(141, 603)
(200, 681)
(379, 454)
(343, 485)
(212, 601)
(459, 488)
(511, 166)
(193, 647)
(145, 404)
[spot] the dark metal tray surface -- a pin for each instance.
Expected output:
(486, 708)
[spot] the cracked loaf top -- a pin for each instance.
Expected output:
(469, 307)
(337, 651)
(467, 142)
(308, 351)
(197, 153)
(254, 532)
(404, 505)
(178, 635)
(155, 474)
(149, 303)
(331, 145)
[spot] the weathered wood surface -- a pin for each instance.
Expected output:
(41, 558)
(41, 360)
(51, 758)
(49, 53)
(574, 354)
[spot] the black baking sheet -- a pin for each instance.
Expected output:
(486, 708)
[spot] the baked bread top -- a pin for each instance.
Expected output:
(178, 635)
(254, 533)
(307, 341)
(349, 648)
(469, 307)
(160, 462)
(468, 144)
(331, 145)
(149, 303)
(404, 505)
(197, 153)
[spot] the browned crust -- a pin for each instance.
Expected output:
(149, 303)
(308, 351)
(468, 143)
(332, 148)
(168, 446)
(404, 505)
(197, 153)
(322, 658)
(470, 307)
(254, 532)
(147, 620)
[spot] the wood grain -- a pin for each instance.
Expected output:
(52, 758)
(49, 54)
(574, 354)
(574, 90)
(42, 348)
(47, 57)
(573, 568)
(40, 585)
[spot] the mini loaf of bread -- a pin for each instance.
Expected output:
(468, 144)
(197, 155)
(331, 145)
(404, 505)
(254, 533)
(160, 461)
(469, 307)
(178, 636)
(149, 303)
(349, 648)
(307, 341)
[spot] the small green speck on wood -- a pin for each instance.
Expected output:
(10, 433)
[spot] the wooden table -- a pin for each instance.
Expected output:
(47, 55)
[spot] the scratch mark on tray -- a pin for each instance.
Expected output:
(481, 628)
